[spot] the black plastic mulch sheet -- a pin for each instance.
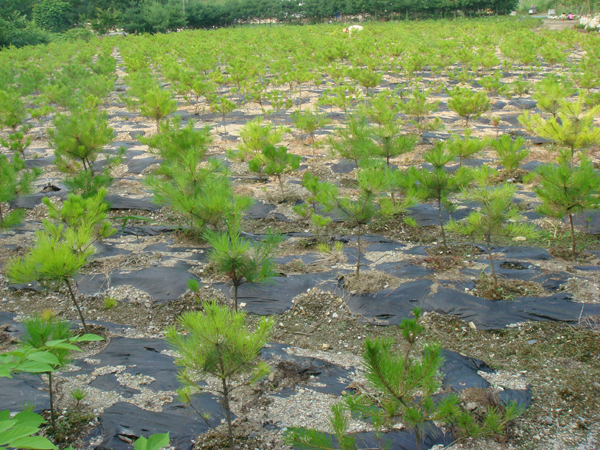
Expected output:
(390, 306)
(122, 423)
(276, 296)
(162, 283)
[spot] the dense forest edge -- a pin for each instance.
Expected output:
(31, 22)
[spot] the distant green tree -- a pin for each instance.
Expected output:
(53, 15)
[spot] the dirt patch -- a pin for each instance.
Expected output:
(369, 281)
(506, 289)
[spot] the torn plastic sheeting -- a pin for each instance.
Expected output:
(391, 306)
(428, 215)
(118, 202)
(276, 296)
(259, 210)
(124, 420)
(20, 391)
(137, 166)
(521, 396)
(535, 253)
(140, 356)
(31, 201)
(520, 271)
(163, 284)
(400, 440)
(460, 372)
(105, 250)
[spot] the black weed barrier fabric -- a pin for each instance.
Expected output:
(162, 283)
(123, 423)
(276, 296)
(22, 391)
(390, 306)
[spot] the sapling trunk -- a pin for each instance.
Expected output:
(488, 239)
(358, 248)
(573, 248)
(281, 186)
(85, 327)
(1, 215)
(442, 223)
(227, 408)
(235, 296)
(52, 414)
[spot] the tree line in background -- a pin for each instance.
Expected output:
(30, 22)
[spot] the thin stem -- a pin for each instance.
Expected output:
(235, 296)
(572, 237)
(358, 248)
(442, 222)
(52, 414)
(489, 248)
(227, 409)
(85, 327)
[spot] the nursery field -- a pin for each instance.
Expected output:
(408, 214)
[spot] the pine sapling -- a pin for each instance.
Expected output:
(466, 147)
(218, 343)
(497, 216)
(510, 152)
(16, 180)
(468, 104)
(566, 190)
(438, 184)
(242, 260)
(309, 122)
(279, 162)
(18, 141)
(157, 103)
(64, 246)
(354, 141)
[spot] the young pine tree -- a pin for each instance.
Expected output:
(354, 141)
(240, 259)
(16, 180)
(572, 127)
(405, 384)
(510, 153)
(309, 122)
(78, 140)
(468, 104)
(497, 216)
(278, 162)
(157, 103)
(466, 147)
(437, 183)
(218, 344)
(566, 190)
(64, 245)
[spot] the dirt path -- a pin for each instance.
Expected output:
(558, 25)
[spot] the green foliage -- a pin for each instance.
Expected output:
(566, 190)
(551, 92)
(20, 430)
(255, 135)
(219, 344)
(17, 141)
(467, 103)
(497, 215)
(572, 127)
(17, 31)
(12, 109)
(52, 15)
(78, 140)
(405, 384)
(198, 189)
(221, 105)
(158, 103)
(418, 108)
(63, 247)
(510, 153)
(278, 162)
(153, 442)
(353, 141)
(438, 184)
(153, 16)
(242, 260)
(16, 180)
(75, 34)
(309, 122)
(466, 147)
